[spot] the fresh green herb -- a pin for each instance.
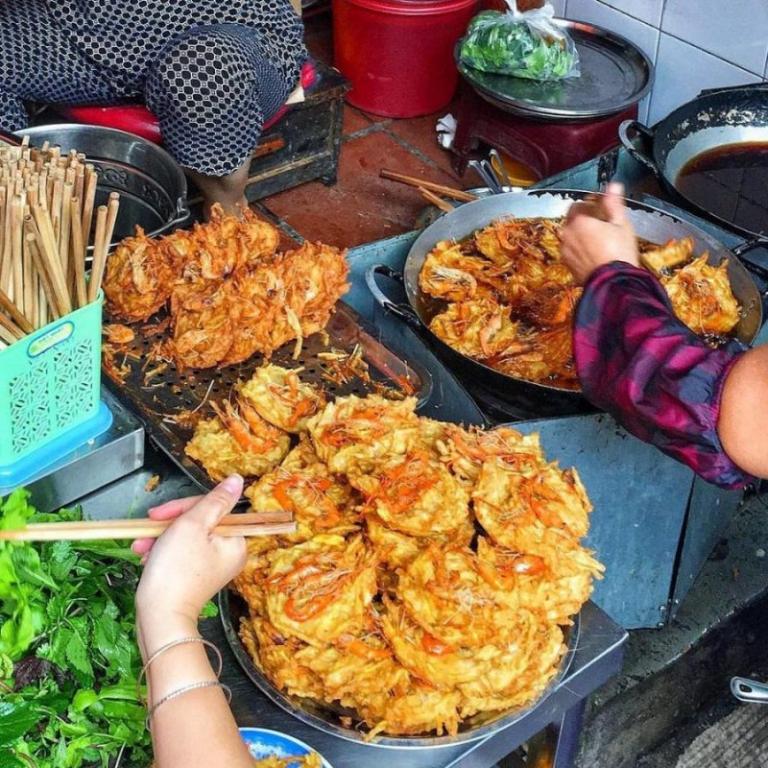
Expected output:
(68, 654)
(498, 43)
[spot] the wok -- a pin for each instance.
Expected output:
(715, 118)
(650, 223)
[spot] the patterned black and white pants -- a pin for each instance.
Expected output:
(211, 87)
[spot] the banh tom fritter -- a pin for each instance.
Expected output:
(432, 572)
(507, 300)
(230, 294)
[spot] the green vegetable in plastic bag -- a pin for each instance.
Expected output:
(528, 45)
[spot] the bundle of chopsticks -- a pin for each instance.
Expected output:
(431, 192)
(277, 523)
(46, 215)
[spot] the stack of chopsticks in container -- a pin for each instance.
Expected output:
(46, 212)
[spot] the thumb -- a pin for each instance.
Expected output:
(613, 203)
(221, 500)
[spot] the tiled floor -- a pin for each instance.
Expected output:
(362, 207)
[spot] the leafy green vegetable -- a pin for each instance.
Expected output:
(68, 654)
(508, 45)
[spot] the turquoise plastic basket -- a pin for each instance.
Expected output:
(49, 383)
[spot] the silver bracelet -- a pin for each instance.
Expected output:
(180, 641)
(186, 689)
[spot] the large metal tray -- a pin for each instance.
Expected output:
(157, 401)
(328, 718)
(615, 74)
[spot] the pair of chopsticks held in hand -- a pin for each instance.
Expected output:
(247, 524)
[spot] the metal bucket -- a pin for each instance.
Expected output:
(152, 186)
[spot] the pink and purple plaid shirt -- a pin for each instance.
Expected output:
(637, 361)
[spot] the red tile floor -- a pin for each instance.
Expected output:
(362, 207)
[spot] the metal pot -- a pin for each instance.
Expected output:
(650, 223)
(715, 118)
(152, 186)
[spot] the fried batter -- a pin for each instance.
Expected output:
(139, 277)
(661, 258)
(237, 440)
(279, 396)
(508, 497)
(702, 298)
(415, 494)
(352, 434)
(321, 589)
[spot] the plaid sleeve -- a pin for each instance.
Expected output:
(658, 379)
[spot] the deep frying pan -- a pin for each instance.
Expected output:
(715, 118)
(650, 223)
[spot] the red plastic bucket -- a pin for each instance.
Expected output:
(398, 54)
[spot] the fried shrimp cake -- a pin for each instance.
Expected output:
(430, 659)
(318, 501)
(321, 589)
(139, 277)
(444, 592)
(202, 325)
(278, 657)
(415, 494)
(448, 273)
(249, 583)
(398, 549)
(507, 497)
(464, 451)
(280, 397)
(552, 587)
(526, 665)
(352, 434)
(479, 328)
(236, 440)
(702, 297)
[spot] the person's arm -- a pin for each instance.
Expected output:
(637, 361)
(184, 568)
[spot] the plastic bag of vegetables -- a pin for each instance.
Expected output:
(522, 44)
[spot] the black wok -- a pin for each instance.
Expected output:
(650, 223)
(716, 118)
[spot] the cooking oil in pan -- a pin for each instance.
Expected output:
(730, 182)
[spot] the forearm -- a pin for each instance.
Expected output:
(197, 729)
(655, 376)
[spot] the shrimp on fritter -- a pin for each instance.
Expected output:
(236, 440)
(548, 306)
(507, 497)
(139, 277)
(661, 258)
(414, 494)
(319, 502)
(280, 397)
(353, 434)
(479, 328)
(223, 245)
(702, 297)
(447, 273)
(553, 587)
(202, 324)
(321, 589)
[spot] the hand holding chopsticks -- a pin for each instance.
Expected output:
(46, 207)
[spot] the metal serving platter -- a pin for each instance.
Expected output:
(328, 718)
(157, 399)
(615, 74)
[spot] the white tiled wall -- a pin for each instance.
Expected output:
(694, 44)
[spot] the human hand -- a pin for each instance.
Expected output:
(597, 232)
(187, 565)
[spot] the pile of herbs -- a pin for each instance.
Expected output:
(68, 654)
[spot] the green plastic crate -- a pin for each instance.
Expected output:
(49, 382)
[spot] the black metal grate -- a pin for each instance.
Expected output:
(162, 399)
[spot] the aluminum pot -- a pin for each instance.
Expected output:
(152, 186)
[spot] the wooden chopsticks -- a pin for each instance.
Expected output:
(46, 207)
(246, 524)
(440, 189)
